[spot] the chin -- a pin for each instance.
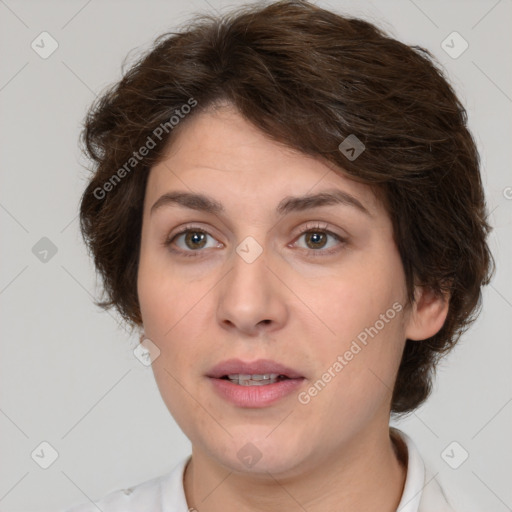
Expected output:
(261, 454)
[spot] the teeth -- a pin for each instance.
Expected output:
(244, 379)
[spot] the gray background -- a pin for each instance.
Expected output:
(68, 374)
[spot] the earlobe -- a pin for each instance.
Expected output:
(428, 314)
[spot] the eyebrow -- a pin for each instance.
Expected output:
(204, 203)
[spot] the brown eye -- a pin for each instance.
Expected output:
(195, 239)
(190, 241)
(315, 239)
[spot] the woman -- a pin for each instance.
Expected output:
(288, 204)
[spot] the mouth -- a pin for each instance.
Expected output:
(257, 384)
(257, 373)
(255, 379)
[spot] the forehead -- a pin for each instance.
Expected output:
(220, 153)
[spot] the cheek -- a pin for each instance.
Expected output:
(347, 301)
(173, 313)
(161, 294)
(168, 310)
(361, 313)
(168, 292)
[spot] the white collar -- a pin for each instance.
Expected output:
(422, 492)
(415, 477)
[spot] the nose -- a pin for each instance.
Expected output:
(251, 297)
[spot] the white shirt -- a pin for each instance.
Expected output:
(422, 492)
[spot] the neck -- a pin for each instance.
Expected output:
(367, 474)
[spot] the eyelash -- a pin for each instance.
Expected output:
(308, 228)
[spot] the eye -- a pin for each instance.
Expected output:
(190, 240)
(317, 237)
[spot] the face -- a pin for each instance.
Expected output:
(316, 286)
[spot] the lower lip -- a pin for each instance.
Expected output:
(255, 396)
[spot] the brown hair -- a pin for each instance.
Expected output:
(308, 78)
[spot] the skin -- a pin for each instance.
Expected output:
(294, 304)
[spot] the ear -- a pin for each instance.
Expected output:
(428, 314)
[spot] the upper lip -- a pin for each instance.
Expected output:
(258, 367)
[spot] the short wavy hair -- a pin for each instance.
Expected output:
(308, 78)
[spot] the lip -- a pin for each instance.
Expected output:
(260, 366)
(254, 396)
